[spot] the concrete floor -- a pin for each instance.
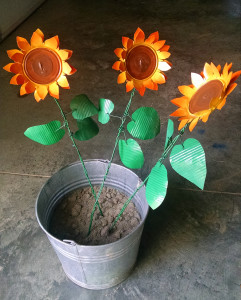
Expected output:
(190, 247)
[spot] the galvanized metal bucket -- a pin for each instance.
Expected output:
(93, 267)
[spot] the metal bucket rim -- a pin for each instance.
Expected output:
(72, 242)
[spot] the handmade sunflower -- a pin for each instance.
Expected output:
(40, 66)
(142, 62)
(208, 92)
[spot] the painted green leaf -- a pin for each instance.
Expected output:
(87, 129)
(105, 108)
(156, 187)
(170, 130)
(145, 123)
(82, 107)
(188, 160)
(46, 134)
(131, 154)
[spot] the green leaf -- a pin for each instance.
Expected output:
(87, 129)
(105, 108)
(82, 107)
(145, 123)
(156, 187)
(46, 134)
(188, 160)
(170, 130)
(131, 154)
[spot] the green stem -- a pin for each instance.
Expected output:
(66, 124)
(112, 156)
(160, 161)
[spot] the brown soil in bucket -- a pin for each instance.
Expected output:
(71, 217)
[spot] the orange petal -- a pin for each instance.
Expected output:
(186, 90)
(17, 79)
(163, 54)
(205, 118)
(65, 54)
(139, 36)
(149, 84)
(219, 68)
(235, 76)
(52, 43)
(129, 86)
(155, 86)
(36, 96)
(126, 42)
(230, 88)
(42, 91)
(23, 44)
(121, 78)
(158, 45)
(193, 124)
(180, 112)
(158, 78)
(165, 48)
(40, 33)
(54, 90)
(229, 66)
(220, 106)
(118, 52)
(13, 67)
(15, 55)
(27, 88)
(182, 124)
(116, 66)
(153, 37)
(68, 69)
(142, 90)
(63, 82)
(180, 102)
(36, 39)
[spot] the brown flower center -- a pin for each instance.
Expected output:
(141, 62)
(204, 96)
(42, 66)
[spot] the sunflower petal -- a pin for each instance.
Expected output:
(27, 88)
(206, 116)
(207, 71)
(197, 80)
(42, 91)
(221, 105)
(17, 79)
(121, 78)
(118, 52)
(129, 86)
(65, 54)
(165, 48)
(22, 43)
(229, 66)
(36, 96)
(180, 112)
(40, 33)
(127, 42)
(142, 90)
(158, 78)
(235, 76)
(63, 82)
(163, 66)
(158, 45)
(54, 90)
(15, 55)
(193, 124)
(139, 36)
(215, 70)
(36, 39)
(182, 124)
(116, 66)
(153, 37)
(181, 101)
(68, 69)
(186, 90)
(163, 54)
(219, 68)
(52, 43)
(149, 84)
(13, 67)
(230, 88)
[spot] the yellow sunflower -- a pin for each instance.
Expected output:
(142, 62)
(40, 66)
(208, 92)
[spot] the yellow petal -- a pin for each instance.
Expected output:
(63, 82)
(186, 90)
(42, 91)
(36, 96)
(220, 106)
(158, 78)
(158, 45)
(207, 71)
(65, 54)
(193, 124)
(68, 69)
(215, 70)
(182, 124)
(54, 90)
(52, 43)
(163, 54)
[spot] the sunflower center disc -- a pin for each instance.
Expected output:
(141, 62)
(42, 66)
(203, 97)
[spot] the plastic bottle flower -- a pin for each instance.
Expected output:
(207, 92)
(40, 66)
(142, 62)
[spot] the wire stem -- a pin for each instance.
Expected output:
(66, 124)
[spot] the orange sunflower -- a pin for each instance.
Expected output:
(142, 62)
(40, 66)
(207, 92)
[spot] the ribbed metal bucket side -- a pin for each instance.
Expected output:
(93, 267)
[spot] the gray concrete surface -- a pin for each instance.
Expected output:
(191, 245)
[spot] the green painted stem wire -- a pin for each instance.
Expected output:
(160, 160)
(66, 124)
(126, 113)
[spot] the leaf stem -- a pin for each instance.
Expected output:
(66, 124)
(126, 113)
